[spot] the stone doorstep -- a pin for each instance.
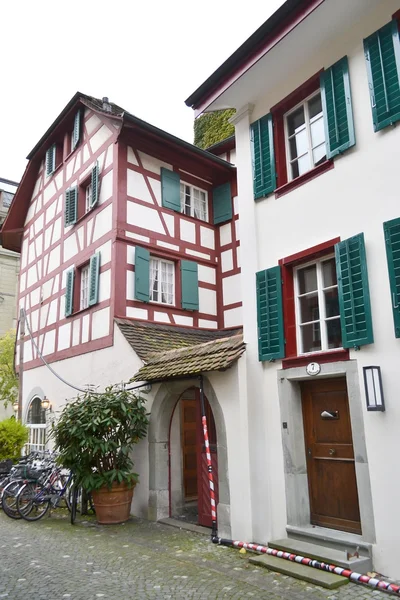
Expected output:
(184, 525)
(324, 554)
(292, 569)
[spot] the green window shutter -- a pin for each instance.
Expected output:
(262, 147)
(354, 301)
(190, 285)
(222, 203)
(271, 342)
(382, 56)
(51, 160)
(142, 274)
(69, 292)
(95, 186)
(71, 206)
(392, 239)
(76, 133)
(94, 275)
(170, 189)
(337, 108)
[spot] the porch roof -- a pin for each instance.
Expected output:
(169, 351)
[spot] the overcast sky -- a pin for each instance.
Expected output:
(147, 57)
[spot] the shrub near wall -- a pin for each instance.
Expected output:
(13, 437)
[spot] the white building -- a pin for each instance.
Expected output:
(317, 94)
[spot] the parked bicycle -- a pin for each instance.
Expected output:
(34, 498)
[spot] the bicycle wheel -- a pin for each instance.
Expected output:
(33, 501)
(9, 499)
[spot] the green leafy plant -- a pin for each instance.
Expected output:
(13, 436)
(213, 127)
(8, 377)
(95, 435)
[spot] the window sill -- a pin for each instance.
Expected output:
(165, 304)
(295, 183)
(81, 311)
(58, 167)
(71, 153)
(320, 357)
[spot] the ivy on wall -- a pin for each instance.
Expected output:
(212, 128)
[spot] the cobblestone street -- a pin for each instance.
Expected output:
(51, 560)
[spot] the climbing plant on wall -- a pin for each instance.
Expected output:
(212, 128)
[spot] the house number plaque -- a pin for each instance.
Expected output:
(313, 368)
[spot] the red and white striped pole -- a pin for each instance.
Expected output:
(209, 464)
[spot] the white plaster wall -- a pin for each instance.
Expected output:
(145, 217)
(358, 195)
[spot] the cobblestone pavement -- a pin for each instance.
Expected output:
(51, 560)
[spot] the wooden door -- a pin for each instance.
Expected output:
(330, 455)
(189, 448)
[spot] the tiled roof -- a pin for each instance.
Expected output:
(169, 351)
(217, 355)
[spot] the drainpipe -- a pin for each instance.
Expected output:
(208, 457)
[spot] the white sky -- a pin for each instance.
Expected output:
(148, 57)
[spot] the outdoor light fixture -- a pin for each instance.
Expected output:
(45, 403)
(15, 406)
(373, 388)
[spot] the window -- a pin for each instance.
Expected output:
(193, 202)
(161, 281)
(51, 155)
(36, 414)
(317, 307)
(88, 197)
(79, 201)
(84, 284)
(305, 137)
(298, 138)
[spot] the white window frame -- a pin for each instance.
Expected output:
(159, 261)
(88, 197)
(289, 161)
(84, 287)
(192, 190)
(321, 304)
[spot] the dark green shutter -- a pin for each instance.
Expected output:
(262, 147)
(76, 133)
(190, 285)
(95, 186)
(142, 274)
(171, 189)
(222, 203)
(354, 301)
(337, 108)
(69, 292)
(271, 342)
(51, 160)
(382, 55)
(94, 275)
(71, 206)
(392, 239)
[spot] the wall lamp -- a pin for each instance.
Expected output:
(373, 388)
(45, 403)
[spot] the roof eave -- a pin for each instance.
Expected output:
(244, 52)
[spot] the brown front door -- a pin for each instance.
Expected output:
(330, 455)
(189, 448)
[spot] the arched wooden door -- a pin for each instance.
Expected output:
(195, 472)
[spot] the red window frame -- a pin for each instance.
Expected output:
(287, 264)
(278, 111)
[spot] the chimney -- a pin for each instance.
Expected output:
(106, 105)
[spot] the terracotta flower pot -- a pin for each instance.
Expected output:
(113, 505)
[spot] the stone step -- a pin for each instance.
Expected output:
(292, 569)
(324, 554)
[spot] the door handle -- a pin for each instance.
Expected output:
(309, 451)
(332, 451)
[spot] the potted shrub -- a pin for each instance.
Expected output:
(94, 436)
